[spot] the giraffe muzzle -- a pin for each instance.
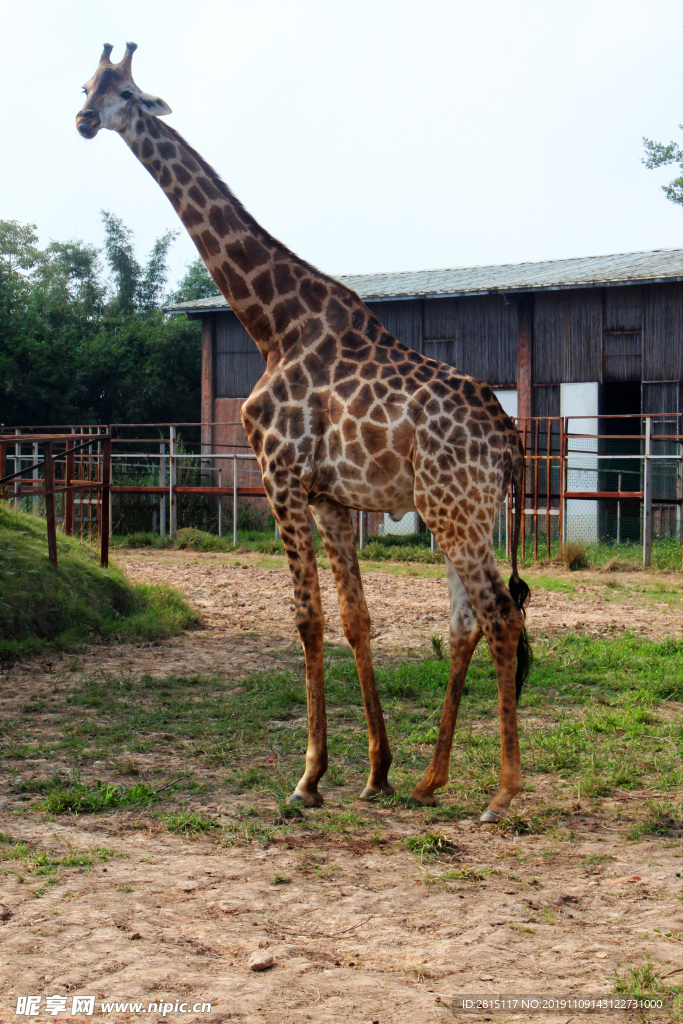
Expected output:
(86, 128)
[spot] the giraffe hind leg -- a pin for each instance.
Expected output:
(465, 633)
(468, 546)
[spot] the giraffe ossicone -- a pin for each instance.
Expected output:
(346, 417)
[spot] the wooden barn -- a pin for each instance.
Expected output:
(600, 335)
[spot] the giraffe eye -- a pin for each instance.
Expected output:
(126, 94)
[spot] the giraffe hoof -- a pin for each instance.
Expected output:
(373, 794)
(423, 800)
(490, 816)
(305, 799)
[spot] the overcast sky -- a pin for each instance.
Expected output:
(368, 136)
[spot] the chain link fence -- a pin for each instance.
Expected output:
(584, 484)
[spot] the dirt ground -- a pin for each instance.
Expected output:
(358, 928)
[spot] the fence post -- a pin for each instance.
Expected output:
(618, 509)
(17, 467)
(234, 501)
(162, 483)
(105, 522)
(50, 504)
(361, 531)
(172, 469)
(564, 469)
(220, 504)
(69, 506)
(35, 477)
(647, 494)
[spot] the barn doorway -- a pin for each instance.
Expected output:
(619, 520)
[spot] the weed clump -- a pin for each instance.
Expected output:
(575, 556)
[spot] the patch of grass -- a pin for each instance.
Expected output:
(431, 846)
(42, 607)
(103, 796)
(280, 880)
(190, 823)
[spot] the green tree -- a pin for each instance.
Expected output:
(196, 284)
(658, 154)
(74, 348)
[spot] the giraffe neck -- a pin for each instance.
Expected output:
(259, 277)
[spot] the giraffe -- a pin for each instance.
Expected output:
(346, 417)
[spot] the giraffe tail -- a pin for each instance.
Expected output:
(519, 590)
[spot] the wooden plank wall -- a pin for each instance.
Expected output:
(237, 363)
(477, 334)
(568, 336)
(663, 332)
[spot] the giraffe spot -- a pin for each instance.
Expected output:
(182, 174)
(188, 161)
(327, 348)
(208, 188)
(176, 201)
(165, 179)
(373, 329)
(313, 293)
(236, 283)
(344, 369)
(166, 150)
(337, 316)
(298, 383)
(347, 388)
(285, 281)
(197, 196)
(378, 414)
(355, 453)
(271, 445)
(360, 404)
(211, 243)
(368, 370)
(217, 221)
(156, 164)
(314, 365)
(257, 322)
(285, 312)
(153, 128)
(139, 126)
(334, 445)
(349, 429)
(147, 149)
(402, 437)
(312, 330)
(348, 471)
(247, 254)
(374, 436)
(263, 286)
(279, 390)
(192, 216)
(135, 148)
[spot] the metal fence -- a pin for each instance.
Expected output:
(601, 479)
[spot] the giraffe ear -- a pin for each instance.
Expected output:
(154, 105)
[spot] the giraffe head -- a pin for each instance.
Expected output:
(113, 99)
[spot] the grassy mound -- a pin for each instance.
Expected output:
(78, 601)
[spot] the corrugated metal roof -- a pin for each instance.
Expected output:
(622, 268)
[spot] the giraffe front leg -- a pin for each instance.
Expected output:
(336, 528)
(295, 530)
